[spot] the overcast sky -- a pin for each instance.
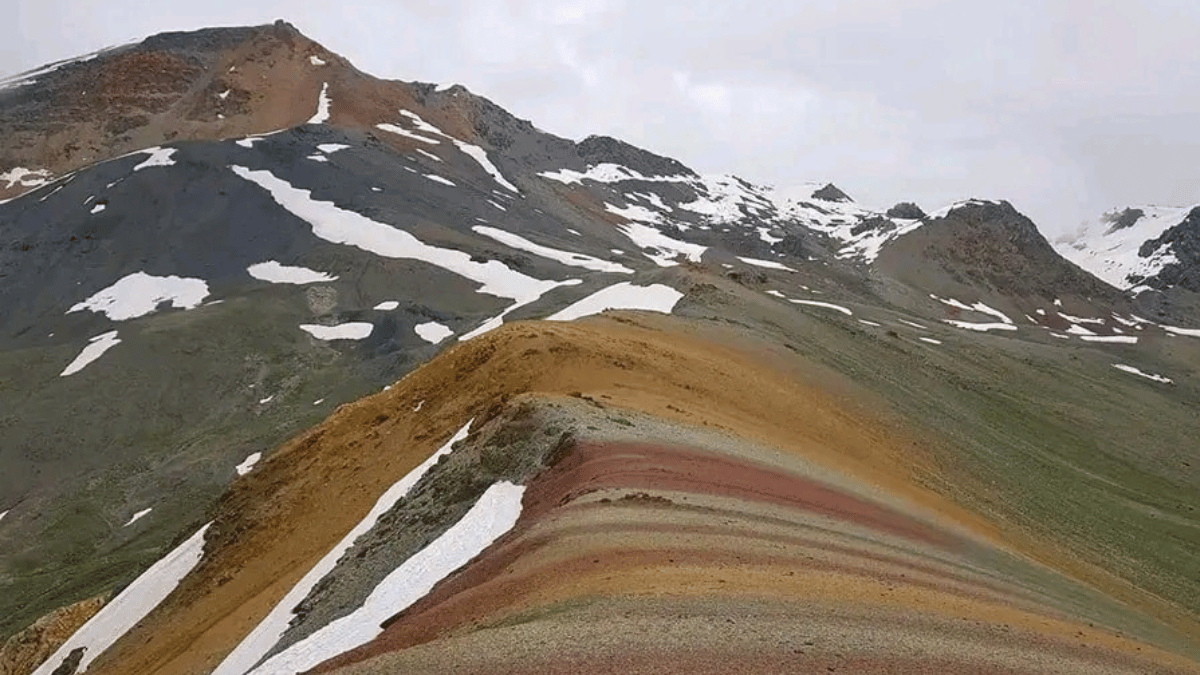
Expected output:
(1063, 107)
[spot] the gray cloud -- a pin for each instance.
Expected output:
(1064, 107)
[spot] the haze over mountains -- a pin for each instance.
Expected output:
(301, 336)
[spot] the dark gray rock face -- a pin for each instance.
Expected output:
(1184, 240)
(601, 149)
(831, 193)
(906, 211)
(1123, 219)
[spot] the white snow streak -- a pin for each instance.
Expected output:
(96, 346)
(1120, 339)
(130, 606)
(139, 294)
(1190, 332)
(1148, 376)
(328, 148)
(769, 264)
(322, 114)
(930, 340)
(439, 179)
(826, 305)
(138, 516)
(565, 257)
(352, 330)
(494, 514)
(654, 298)
(428, 154)
(981, 327)
(277, 273)
(386, 306)
(267, 633)
(406, 133)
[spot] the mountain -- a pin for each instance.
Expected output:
(305, 369)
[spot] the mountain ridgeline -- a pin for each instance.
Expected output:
(304, 369)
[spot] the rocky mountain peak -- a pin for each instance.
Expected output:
(831, 193)
(608, 150)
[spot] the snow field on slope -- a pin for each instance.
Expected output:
(139, 294)
(93, 350)
(608, 173)
(438, 179)
(130, 606)
(654, 298)
(277, 273)
(644, 236)
(267, 633)
(1141, 373)
(351, 330)
(432, 331)
(494, 514)
(337, 225)
(1113, 256)
(565, 257)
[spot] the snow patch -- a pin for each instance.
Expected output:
(322, 114)
(19, 175)
(130, 606)
(332, 147)
(769, 264)
(432, 332)
(392, 128)
(318, 158)
(981, 327)
(624, 295)
(247, 464)
(977, 307)
(493, 514)
(608, 173)
(665, 249)
(438, 179)
(869, 323)
(95, 348)
(158, 157)
(347, 227)
(98, 208)
(1118, 339)
(428, 154)
(826, 305)
(139, 294)
(477, 153)
(266, 634)
(352, 330)
(565, 257)
(1190, 332)
(277, 273)
(386, 306)
(1148, 376)
(930, 340)
(316, 60)
(138, 516)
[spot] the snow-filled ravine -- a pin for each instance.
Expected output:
(130, 606)
(267, 633)
(494, 514)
